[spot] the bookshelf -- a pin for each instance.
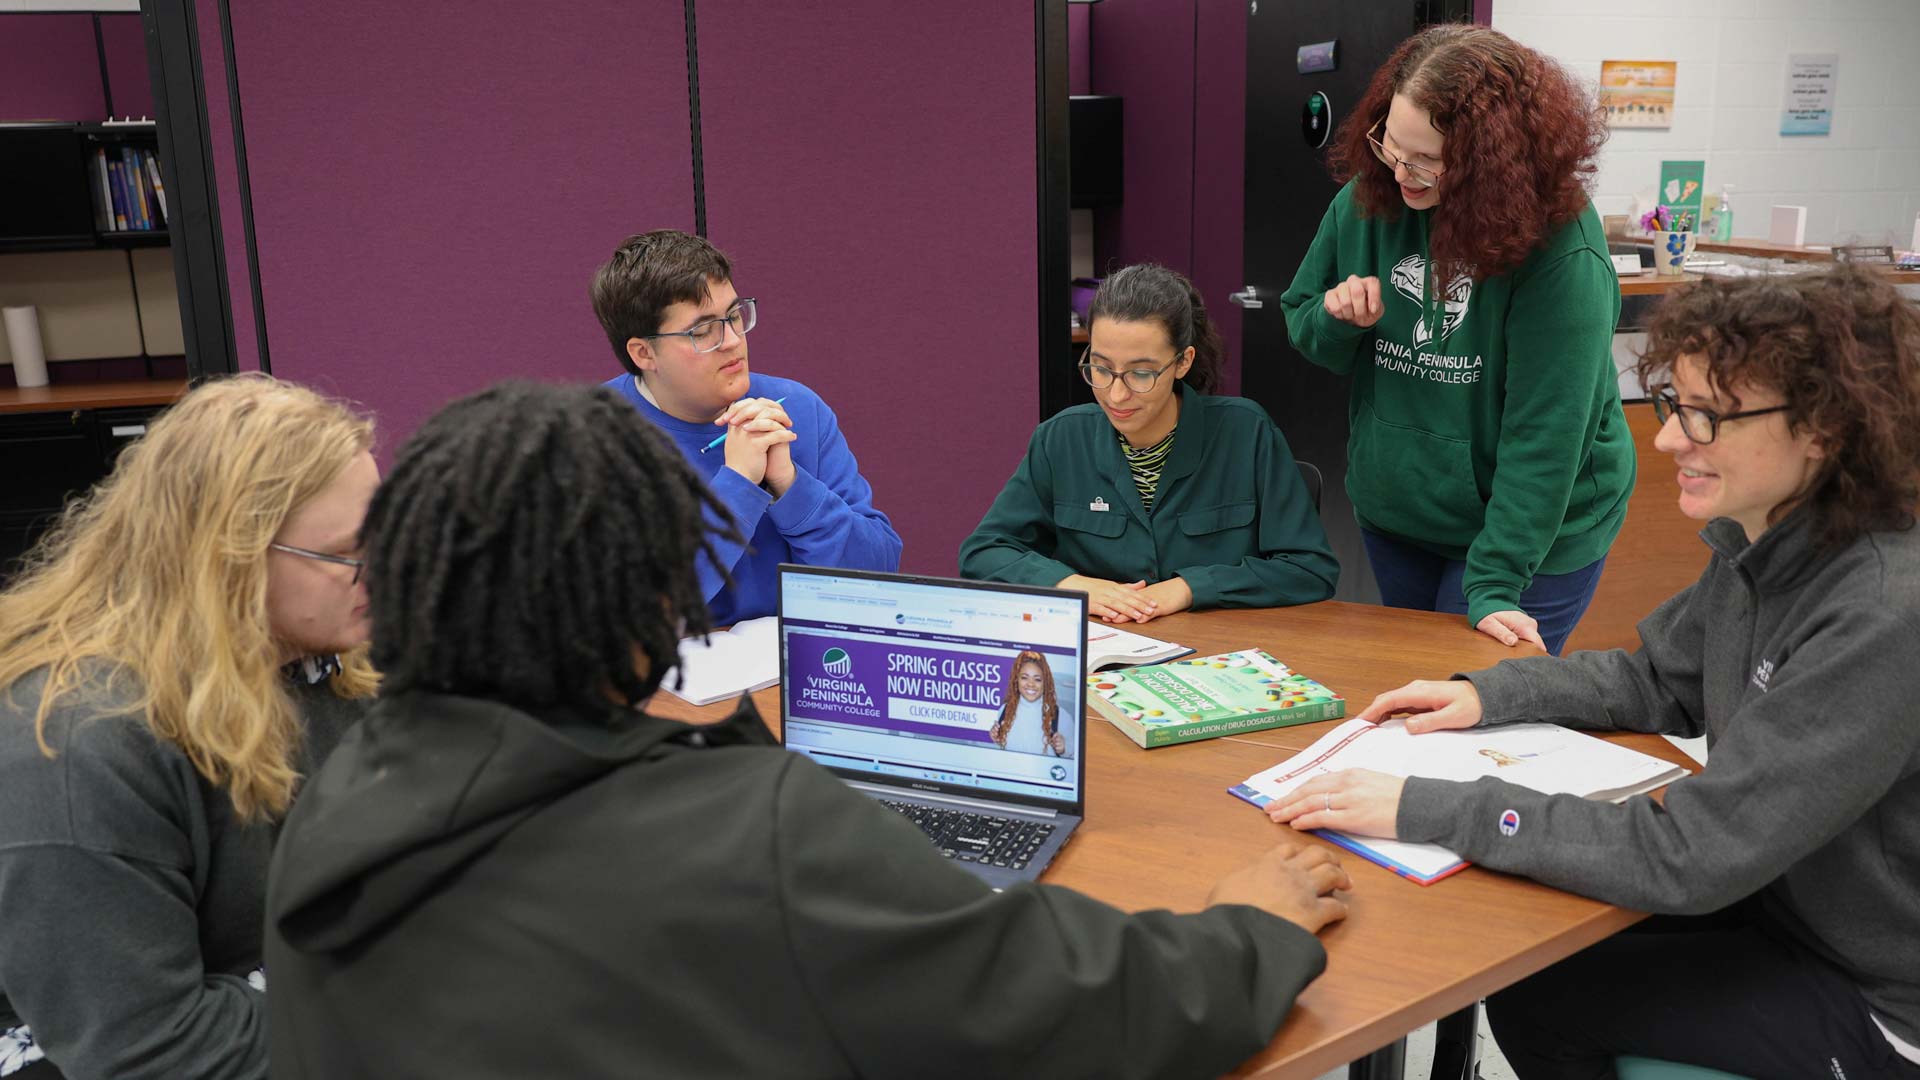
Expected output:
(54, 196)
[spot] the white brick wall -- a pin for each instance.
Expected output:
(1860, 184)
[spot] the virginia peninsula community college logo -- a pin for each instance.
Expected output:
(836, 662)
(1409, 278)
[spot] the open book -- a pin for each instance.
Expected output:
(1544, 757)
(739, 660)
(1110, 645)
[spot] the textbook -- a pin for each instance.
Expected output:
(1545, 757)
(739, 660)
(1110, 645)
(1209, 696)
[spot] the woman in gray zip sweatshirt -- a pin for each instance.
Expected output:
(1788, 868)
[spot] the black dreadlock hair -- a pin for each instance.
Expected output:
(529, 539)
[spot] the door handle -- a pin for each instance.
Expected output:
(1249, 299)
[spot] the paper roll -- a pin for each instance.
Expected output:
(23, 337)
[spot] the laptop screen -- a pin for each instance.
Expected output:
(947, 686)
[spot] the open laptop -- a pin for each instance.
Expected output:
(896, 683)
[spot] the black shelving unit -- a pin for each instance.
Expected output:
(51, 192)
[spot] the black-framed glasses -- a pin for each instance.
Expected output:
(1417, 175)
(1138, 380)
(709, 334)
(1698, 424)
(359, 565)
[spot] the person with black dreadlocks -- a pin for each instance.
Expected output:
(508, 869)
(781, 466)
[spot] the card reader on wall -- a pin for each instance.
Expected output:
(1320, 56)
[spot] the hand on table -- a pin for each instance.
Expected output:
(1295, 881)
(1112, 601)
(1352, 800)
(1356, 300)
(1430, 705)
(1170, 595)
(1510, 628)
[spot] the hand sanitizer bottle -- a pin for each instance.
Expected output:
(1723, 217)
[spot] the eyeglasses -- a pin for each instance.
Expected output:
(1138, 380)
(1417, 175)
(1700, 425)
(710, 334)
(359, 565)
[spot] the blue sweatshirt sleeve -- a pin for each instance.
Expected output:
(748, 503)
(827, 516)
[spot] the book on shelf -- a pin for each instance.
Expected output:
(1206, 697)
(128, 193)
(1544, 757)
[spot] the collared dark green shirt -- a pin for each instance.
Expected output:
(1231, 516)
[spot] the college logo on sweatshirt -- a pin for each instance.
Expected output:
(1425, 356)
(1762, 675)
(1409, 279)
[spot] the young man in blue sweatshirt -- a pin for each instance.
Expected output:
(781, 466)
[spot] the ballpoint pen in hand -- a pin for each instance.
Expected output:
(723, 435)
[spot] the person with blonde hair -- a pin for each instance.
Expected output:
(1030, 711)
(177, 652)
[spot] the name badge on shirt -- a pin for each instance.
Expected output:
(1099, 504)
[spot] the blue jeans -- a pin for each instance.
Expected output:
(1413, 577)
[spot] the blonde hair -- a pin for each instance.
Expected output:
(160, 574)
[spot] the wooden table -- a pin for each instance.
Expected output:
(1765, 249)
(1160, 829)
(91, 395)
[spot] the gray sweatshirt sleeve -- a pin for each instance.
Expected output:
(100, 954)
(1799, 762)
(1654, 689)
(1035, 981)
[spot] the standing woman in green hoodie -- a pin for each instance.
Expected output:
(1462, 278)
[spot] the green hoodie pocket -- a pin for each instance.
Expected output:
(1413, 483)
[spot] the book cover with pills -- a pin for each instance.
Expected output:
(1204, 697)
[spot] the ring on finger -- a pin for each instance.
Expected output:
(1329, 802)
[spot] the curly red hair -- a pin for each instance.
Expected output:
(1521, 138)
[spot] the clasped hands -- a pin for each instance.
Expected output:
(1135, 601)
(758, 431)
(1366, 802)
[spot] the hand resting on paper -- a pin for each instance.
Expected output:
(1428, 704)
(1295, 881)
(1352, 800)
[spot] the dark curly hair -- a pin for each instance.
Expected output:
(530, 541)
(1148, 292)
(1521, 138)
(1842, 346)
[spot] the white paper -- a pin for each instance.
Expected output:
(1544, 757)
(741, 660)
(1108, 646)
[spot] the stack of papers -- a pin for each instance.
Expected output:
(736, 661)
(1544, 757)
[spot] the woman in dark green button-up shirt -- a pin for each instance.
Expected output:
(1157, 497)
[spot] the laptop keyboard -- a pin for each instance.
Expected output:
(983, 838)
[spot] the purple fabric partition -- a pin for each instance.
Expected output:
(126, 48)
(49, 69)
(433, 186)
(1079, 49)
(1219, 176)
(1143, 50)
(870, 168)
(226, 180)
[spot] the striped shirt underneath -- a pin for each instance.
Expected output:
(1145, 464)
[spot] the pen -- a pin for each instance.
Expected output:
(723, 436)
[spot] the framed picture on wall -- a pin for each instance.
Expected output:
(1637, 93)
